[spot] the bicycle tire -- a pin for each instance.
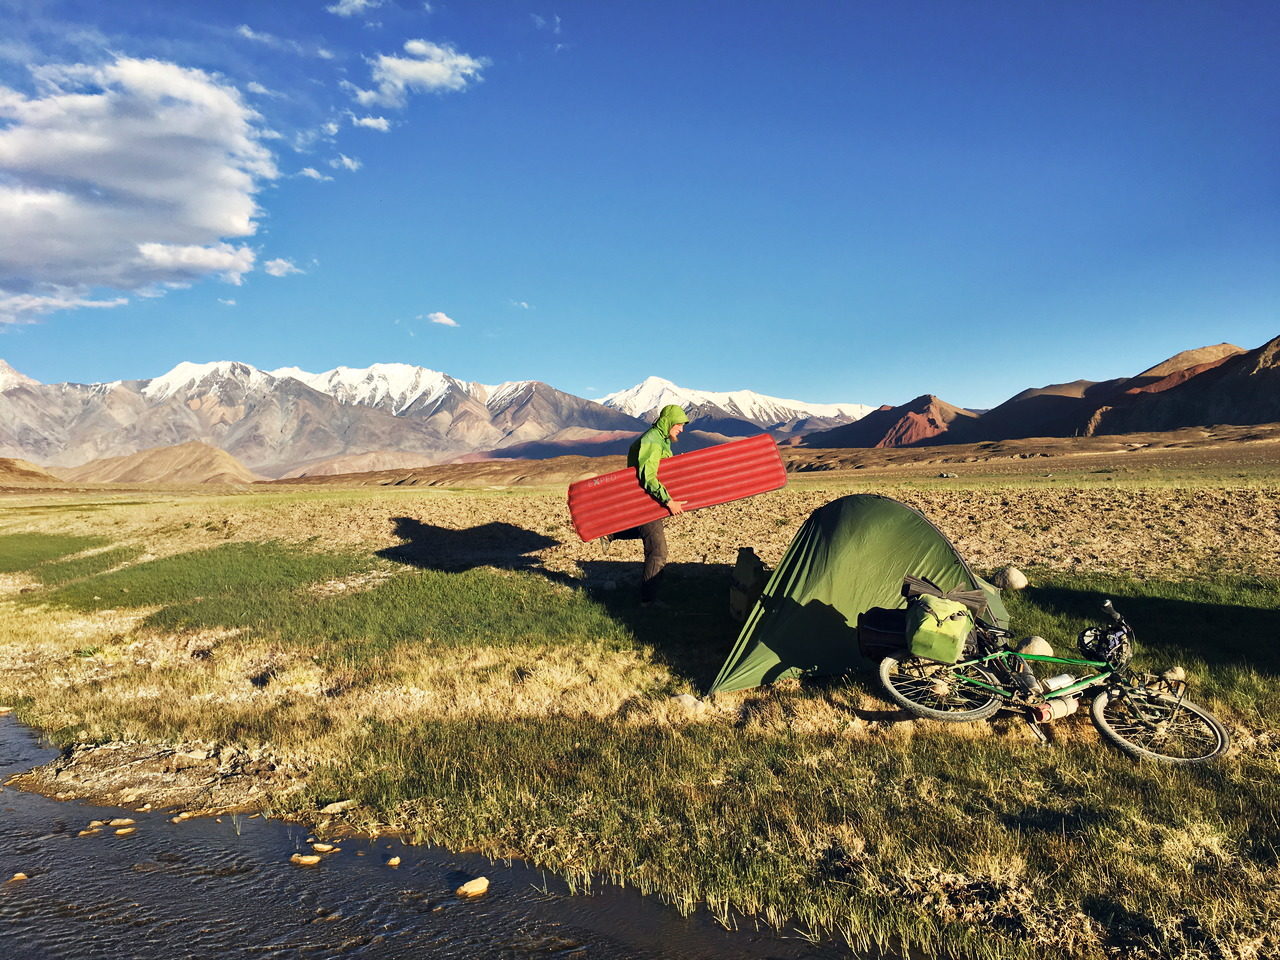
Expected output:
(1186, 733)
(913, 683)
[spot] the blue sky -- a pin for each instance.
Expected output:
(825, 201)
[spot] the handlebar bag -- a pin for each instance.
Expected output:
(938, 628)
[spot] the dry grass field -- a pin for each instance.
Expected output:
(457, 663)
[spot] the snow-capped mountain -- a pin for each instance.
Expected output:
(276, 421)
(480, 414)
(398, 388)
(645, 399)
(288, 419)
(187, 376)
(10, 378)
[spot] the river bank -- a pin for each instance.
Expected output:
(223, 885)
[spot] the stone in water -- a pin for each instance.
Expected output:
(473, 888)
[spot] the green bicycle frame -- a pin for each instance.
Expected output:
(1079, 685)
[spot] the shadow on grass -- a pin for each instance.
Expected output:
(691, 632)
(1043, 819)
(501, 545)
(1213, 628)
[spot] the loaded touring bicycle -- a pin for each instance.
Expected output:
(953, 666)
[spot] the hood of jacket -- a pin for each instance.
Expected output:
(668, 417)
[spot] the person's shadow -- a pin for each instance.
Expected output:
(501, 545)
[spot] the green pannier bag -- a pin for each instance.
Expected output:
(938, 628)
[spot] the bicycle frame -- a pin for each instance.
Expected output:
(1004, 655)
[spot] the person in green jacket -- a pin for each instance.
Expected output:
(649, 448)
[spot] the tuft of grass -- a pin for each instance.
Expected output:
(22, 551)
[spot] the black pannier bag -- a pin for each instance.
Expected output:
(881, 632)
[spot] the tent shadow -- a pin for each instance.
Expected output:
(501, 545)
(1219, 634)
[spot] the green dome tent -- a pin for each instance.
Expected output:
(849, 556)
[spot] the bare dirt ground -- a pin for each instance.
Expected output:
(1154, 532)
(1171, 530)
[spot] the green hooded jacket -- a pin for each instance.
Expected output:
(654, 445)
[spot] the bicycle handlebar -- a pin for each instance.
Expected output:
(1110, 611)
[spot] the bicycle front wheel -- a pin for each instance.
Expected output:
(1156, 726)
(938, 691)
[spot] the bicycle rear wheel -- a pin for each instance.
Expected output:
(1156, 726)
(936, 690)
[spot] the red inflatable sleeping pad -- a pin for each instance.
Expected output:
(615, 501)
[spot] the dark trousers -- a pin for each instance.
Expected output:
(654, 537)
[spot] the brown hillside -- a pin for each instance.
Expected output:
(361, 463)
(23, 473)
(1191, 358)
(918, 421)
(1241, 388)
(185, 463)
(1056, 410)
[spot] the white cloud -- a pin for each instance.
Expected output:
(522, 304)
(351, 8)
(130, 175)
(373, 123)
(313, 173)
(254, 87)
(26, 307)
(430, 67)
(226, 303)
(281, 267)
(442, 318)
(282, 43)
(344, 162)
(189, 260)
(542, 23)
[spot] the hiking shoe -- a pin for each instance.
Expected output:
(606, 543)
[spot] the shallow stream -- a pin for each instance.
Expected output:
(204, 888)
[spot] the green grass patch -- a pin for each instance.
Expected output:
(20, 552)
(971, 849)
(58, 572)
(473, 608)
(263, 588)
(234, 575)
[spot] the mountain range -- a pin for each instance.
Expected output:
(1219, 384)
(291, 422)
